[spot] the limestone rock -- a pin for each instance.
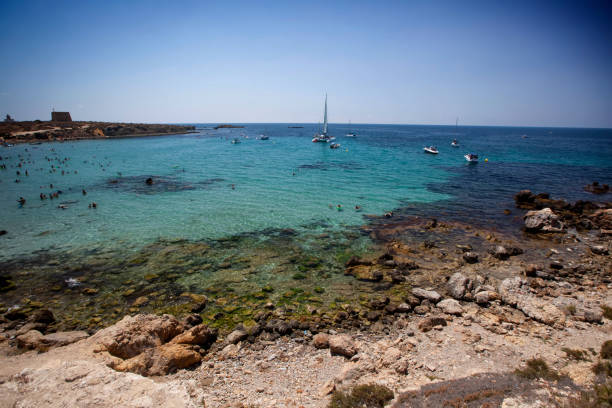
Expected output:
(161, 360)
(320, 340)
(342, 345)
(429, 323)
(199, 335)
(450, 306)
(34, 340)
(544, 220)
(430, 295)
(457, 285)
(135, 334)
(514, 292)
(485, 296)
(236, 336)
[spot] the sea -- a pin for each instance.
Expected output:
(205, 190)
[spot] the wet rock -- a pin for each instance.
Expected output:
(450, 306)
(429, 323)
(502, 252)
(524, 198)
(373, 316)
(44, 316)
(200, 335)
(342, 345)
(365, 273)
(379, 303)
(597, 188)
(354, 261)
(430, 295)
(396, 276)
(599, 250)
(161, 360)
(470, 257)
(236, 336)
(140, 301)
(544, 220)
(320, 340)
(135, 334)
(556, 265)
(192, 320)
(15, 313)
(457, 285)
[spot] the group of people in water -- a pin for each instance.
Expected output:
(25, 160)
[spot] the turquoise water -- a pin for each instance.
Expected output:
(284, 182)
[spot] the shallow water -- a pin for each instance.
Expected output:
(284, 182)
(257, 222)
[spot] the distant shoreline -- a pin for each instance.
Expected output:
(42, 132)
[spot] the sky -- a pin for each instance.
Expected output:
(519, 63)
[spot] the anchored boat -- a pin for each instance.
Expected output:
(323, 137)
(472, 158)
(431, 150)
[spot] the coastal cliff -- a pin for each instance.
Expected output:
(43, 131)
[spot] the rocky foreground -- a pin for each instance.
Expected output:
(522, 325)
(43, 131)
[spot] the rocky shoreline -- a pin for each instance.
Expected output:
(449, 321)
(46, 131)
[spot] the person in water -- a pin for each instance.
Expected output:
(21, 201)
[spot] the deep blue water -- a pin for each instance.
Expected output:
(205, 187)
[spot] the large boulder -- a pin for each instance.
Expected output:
(457, 285)
(135, 334)
(342, 345)
(544, 220)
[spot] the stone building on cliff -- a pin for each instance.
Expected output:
(60, 117)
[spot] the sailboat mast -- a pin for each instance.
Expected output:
(325, 117)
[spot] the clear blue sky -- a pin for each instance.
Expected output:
(533, 63)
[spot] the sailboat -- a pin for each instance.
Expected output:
(323, 137)
(350, 134)
(455, 143)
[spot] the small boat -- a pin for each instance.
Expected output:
(263, 137)
(431, 150)
(350, 134)
(323, 137)
(472, 158)
(235, 141)
(455, 143)
(334, 145)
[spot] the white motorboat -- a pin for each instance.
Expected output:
(323, 137)
(431, 150)
(350, 133)
(334, 145)
(472, 158)
(263, 137)
(235, 141)
(455, 143)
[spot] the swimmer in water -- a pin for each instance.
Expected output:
(21, 201)
(84, 192)
(357, 208)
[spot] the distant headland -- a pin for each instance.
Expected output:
(227, 126)
(64, 129)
